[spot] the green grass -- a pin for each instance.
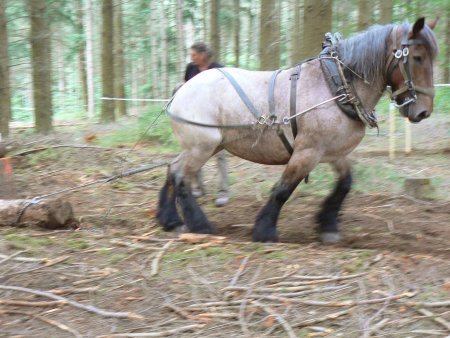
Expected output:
(25, 242)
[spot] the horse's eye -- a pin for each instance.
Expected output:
(417, 59)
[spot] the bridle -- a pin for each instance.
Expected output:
(400, 57)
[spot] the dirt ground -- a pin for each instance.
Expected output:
(121, 276)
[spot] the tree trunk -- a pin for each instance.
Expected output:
(214, 29)
(165, 53)
(385, 12)
(82, 54)
(364, 14)
(296, 34)
(447, 47)
(316, 22)
(42, 66)
(5, 91)
(49, 214)
(154, 49)
(119, 63)
(181, 60)
(205, 20)
(90, 60)
(269, 35)
(107, 114)
(237, 30)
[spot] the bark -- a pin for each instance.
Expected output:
(165, 53)
(181, 60)
(296, 41)
(81, 54)
(214, 30)
(316, 22)
(269, 35)
(40, 37)
(49, 214)
(90, 59)
(5, 92)
(205, 19)
(364, 14)
(385, 12)
(119, 63)
(107, 113)
(237, 30)
(154, 49)
(447, 47)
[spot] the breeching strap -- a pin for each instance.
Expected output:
(241, 93)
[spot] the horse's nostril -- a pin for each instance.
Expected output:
(423, 115)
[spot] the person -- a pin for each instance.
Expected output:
(201, 60)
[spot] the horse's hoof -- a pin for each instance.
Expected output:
(330, 237)
(181, 229)
(169, 222)
(267, 237)
(205, 229)
(221, 201)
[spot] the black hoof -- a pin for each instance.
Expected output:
(265, 236)
(169, 221)
(203, 229)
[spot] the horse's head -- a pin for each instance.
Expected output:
(410, 69)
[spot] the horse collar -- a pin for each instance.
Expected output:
(339, 84)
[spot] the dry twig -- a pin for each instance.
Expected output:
(287, 327)
(437, 319)
(89, 308)
(156, 334)
(159, 255)
(45, 320)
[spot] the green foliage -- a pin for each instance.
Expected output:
(152, 127)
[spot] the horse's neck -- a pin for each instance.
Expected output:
(369, 94)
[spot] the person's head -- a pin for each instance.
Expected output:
(201, 54)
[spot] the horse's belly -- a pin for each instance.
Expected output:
(252, 146)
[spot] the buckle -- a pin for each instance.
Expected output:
(398, 54)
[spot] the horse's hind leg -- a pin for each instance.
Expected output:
(327, 217)
(299, 166)
(167, 214)
(191, 161)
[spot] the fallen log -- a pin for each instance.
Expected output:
(49, 214)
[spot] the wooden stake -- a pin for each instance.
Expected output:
(408, 139)
(391, 131)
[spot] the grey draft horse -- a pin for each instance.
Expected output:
(325, 134)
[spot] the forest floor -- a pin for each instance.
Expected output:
(121, 276)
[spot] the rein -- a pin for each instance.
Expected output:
(400, 57)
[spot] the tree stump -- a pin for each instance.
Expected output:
(49, 214)
(419, 188)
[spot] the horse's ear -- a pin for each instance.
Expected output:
(433, 23)
(417, 27)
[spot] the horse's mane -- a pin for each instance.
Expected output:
(366, 52)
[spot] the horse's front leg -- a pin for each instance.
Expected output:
(299, 166)
(327, 217)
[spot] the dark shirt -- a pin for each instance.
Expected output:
(192, 70)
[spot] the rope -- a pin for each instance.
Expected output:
(37, 199)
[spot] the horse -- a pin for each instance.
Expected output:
(210, 114)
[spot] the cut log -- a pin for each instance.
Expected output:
(49, 214)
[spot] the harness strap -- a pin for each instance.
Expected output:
(285, 140)
(272, 82)
(241, 93)
(295, 76)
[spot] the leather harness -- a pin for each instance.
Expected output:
(339, 82)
